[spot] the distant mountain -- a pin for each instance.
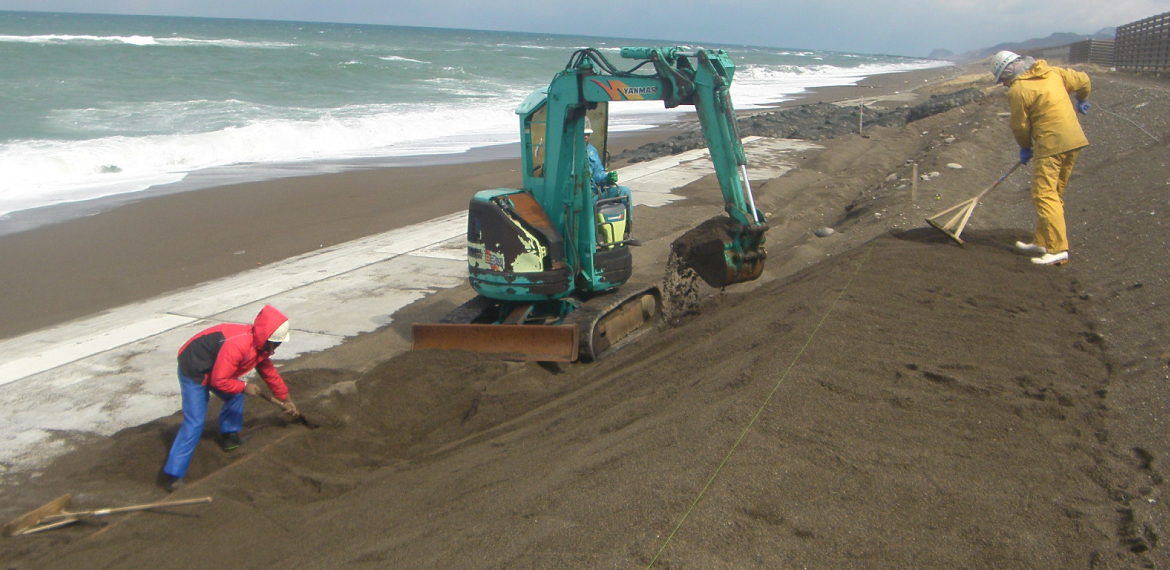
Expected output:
(940, 53)
(1105, 34)
(1057, 39)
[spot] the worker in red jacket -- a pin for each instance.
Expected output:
(214, 361)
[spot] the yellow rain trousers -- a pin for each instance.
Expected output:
(1049, 179)
(1043, 119)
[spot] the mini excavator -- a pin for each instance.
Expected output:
(547, 260)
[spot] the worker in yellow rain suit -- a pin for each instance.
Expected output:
(1045, 125)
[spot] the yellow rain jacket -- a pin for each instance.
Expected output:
(1043, 118)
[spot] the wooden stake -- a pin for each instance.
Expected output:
(914, 185)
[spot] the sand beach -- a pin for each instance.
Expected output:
(880, 398)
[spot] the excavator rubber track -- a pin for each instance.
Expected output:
(607, 322)
(598, 327)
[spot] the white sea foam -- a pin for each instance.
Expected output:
(37, 173)
(400, 58)
(757, 86)
(140, 41)
(315, 104)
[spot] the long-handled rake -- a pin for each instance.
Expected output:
(962, 211)
(55, 514)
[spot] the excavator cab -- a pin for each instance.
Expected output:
(613, 215)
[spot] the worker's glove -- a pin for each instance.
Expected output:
(1025, 155)
(290, 408)
(252, 390)
(611, 178)
(1083, 106)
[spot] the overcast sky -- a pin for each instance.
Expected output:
(898, 27)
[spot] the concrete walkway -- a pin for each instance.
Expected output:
(116, 369)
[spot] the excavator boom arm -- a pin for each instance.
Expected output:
(701, 78)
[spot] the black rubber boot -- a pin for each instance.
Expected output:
(171, 483)
(230, 441)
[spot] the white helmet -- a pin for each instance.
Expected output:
(588, 126)
(280, 334)
(1000, 61)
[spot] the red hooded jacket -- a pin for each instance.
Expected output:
(222, 354)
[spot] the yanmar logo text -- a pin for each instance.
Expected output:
(619, 91)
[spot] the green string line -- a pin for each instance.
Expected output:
(764, 405)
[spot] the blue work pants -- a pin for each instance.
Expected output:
(195, 397)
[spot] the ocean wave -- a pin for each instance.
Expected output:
(528, 46)
(786, 72)
(140, 41)
(41, 172)
(400, 58)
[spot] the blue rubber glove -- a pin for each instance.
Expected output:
(1083, 106)
(1025, 155)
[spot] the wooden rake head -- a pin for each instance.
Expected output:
(961, 213)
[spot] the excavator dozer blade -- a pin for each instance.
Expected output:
(541, 343)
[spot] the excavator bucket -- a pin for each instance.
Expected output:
(719, 255)
(541, 343)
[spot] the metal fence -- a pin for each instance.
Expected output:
(1099, 52)
(1143, 46)
(1052, 53)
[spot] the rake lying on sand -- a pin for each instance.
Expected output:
(55, 514)
(963, 210)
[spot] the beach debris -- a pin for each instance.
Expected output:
(823, 232)
(955, 166)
